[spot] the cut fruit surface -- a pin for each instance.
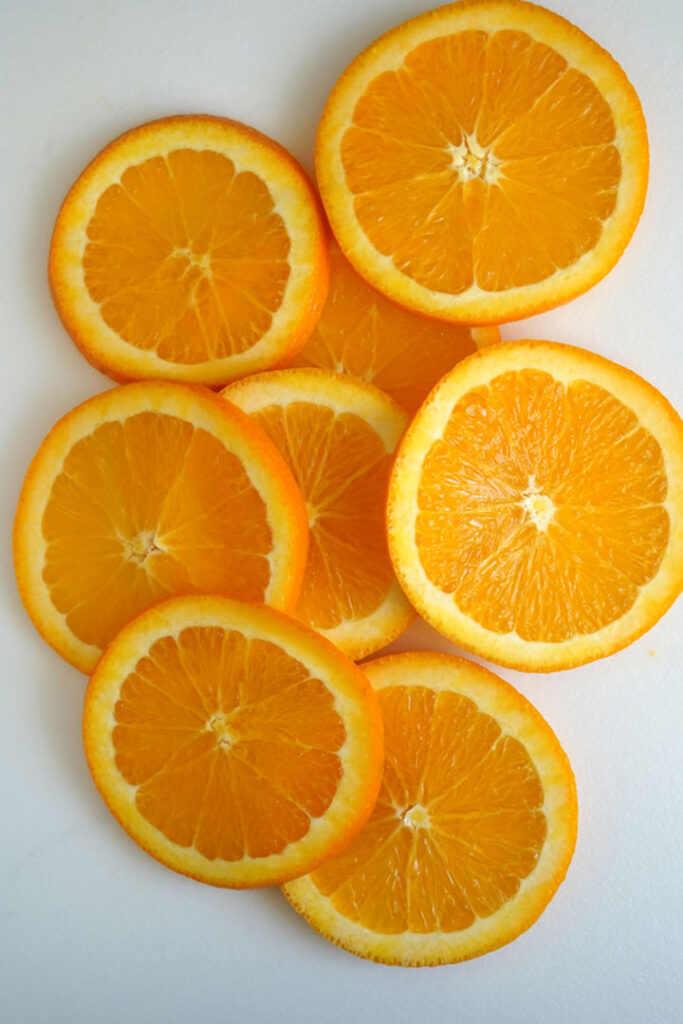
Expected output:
(145, 491)
(338, 437)
(473, 829)
(483, 161)
(191, 248)
(232, 743)
(535, 513)
(362, 333)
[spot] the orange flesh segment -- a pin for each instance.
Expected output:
(143, 508)
(231, 743)
(541, 507)
(362, 333)
(458, 823)
(483, 160)
(187, 257)
(342, 469)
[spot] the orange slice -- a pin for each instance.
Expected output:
(473, 829)
(363, 334)
(145, 491)
(338, 437)
(191, 248)
(483, 161)
(230, 742)
(536, 506)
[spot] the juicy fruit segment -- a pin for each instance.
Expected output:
(337, 436)
(541, 510)
(500, 156)
(362, 333)
(187, 256)
(143, 508)
(230, 742)
(143, 492)
(473, 829)
(444, 844)
(348, 571)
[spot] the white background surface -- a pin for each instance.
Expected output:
(93, 930)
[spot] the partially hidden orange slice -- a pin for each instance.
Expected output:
(338, 437)
(232, 743)
(473, 829)
(146, 491)
(362, 333)
(535, 512)
(191, 248)
(483, 161)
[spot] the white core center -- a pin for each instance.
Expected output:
(218, 724)
(138, 549)
(539, 507)
(415, 817)
(471, 160)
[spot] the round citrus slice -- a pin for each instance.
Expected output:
(362, 333)
(536, 506)
(232, 743)
(473, 829)
(146, 491)
(483, 161)
(338, 436)
(191, 248)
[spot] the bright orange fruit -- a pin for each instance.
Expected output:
(338, 436)
(473, 829)
(191, 248)
(483, 161)
(362, 333)
(536, 506)
(145, 491)
(232, 743)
